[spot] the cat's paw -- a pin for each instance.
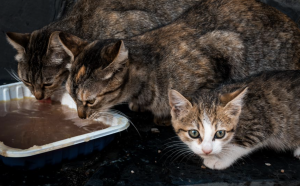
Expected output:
(162, 122)
(222, 164)
(135, 107)
(216, 163)
(210, 162)
(297, 153)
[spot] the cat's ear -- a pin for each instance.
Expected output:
(179, 104)
(118, 54)
(62, 45)
(233, 102)
(18, 40)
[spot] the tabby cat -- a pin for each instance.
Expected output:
(227, 123)
(43, 62)
(214, 41)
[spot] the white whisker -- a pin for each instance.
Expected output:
(13, 75)
(96, 115)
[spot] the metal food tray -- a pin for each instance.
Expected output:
(53, 153)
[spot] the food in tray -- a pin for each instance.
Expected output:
(28, 122)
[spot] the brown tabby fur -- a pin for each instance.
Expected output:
(215, 41)
(260, 111)
(44, 70)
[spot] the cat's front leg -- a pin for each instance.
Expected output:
(230, 155)
(297, 153)
(210, 161)
(217, 163)
(135, 107)
(227, 157)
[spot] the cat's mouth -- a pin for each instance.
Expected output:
(206, 155)
(47, 100)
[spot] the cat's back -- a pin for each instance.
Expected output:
(109, 19)
(270, 92)
(269, 81)
(271, 40)
(271, 109)
(286, 82)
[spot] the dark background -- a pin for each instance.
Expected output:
(25, 16)
(132, 159)
(29, 15)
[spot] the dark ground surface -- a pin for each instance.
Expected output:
(134, 160)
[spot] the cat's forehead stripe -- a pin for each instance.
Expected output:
(195, 124)
(207, 125)
(80, 73)
(80, 94)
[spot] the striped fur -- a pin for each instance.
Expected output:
(265, 114)
(89, 19)
(213, 42)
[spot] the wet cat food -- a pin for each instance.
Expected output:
(27, 122)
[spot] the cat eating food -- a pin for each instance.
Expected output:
(227, 123)
(213, 42)
(43, 60)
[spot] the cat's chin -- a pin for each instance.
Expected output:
(206, 156)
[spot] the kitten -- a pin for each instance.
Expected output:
(43, 60)
(213, 42)
(227, 123)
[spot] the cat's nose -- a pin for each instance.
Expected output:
(207, 151)
(81, 113)
(207, 148)
(38, 95)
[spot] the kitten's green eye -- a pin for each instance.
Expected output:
(48, 84)
(90, 102)
(220, 134)
(194, 133)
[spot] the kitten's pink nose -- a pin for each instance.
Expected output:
(207, 151)
(207, 148)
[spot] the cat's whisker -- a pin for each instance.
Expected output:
(100, 114)
(121, 103)
(170, 151)
(119, 112)
(171, 142)
(175, 152)
(178, 156)
(178, 141)
(15, 74)
(188, 155)
(174, 155)
(171, 138)
(12, 75)
(122, 114)
(134, 127)
(174, 145)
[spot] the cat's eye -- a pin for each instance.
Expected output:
(220, 134)
(194, 133)
(48, 84)
(90, 102)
